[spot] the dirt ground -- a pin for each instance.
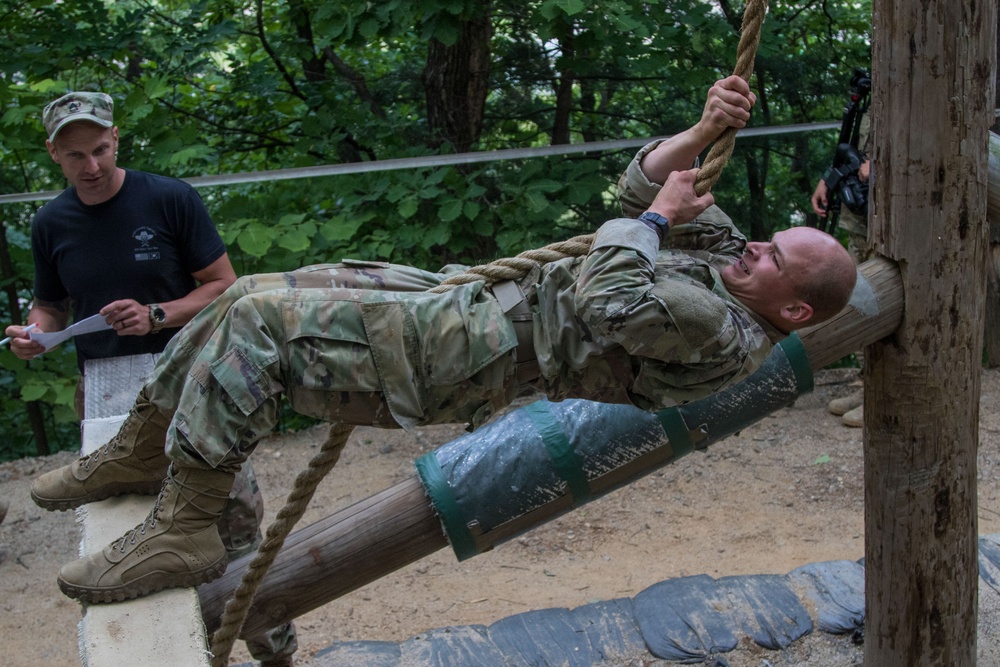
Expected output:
(785, 492)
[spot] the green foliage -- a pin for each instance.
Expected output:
(227, 86)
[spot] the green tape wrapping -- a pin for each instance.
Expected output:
(560, 451)
(677, 432)
(446, 506)
(795, 352)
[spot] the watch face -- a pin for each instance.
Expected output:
(159, 315)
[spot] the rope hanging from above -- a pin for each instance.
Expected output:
(295, 506)
(510, 268)
(514, 268)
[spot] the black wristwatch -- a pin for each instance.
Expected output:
(656, 222)
(157, 317)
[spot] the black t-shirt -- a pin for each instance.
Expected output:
(144, 243)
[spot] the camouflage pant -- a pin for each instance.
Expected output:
(239, 524)
(194, 377)
(857, 236)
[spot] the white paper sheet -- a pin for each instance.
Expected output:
(89, 325)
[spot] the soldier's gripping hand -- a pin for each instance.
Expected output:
(728, 105)
(677, 200)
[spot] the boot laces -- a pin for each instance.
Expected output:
(134, 534)
(106, 449)
(188, 493)
(112, 444)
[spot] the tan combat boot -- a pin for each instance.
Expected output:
(177, 545)
(845, 404)
(133, 461)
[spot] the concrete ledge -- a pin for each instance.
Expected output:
(161, 630)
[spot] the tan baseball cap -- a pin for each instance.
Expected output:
(92, 107)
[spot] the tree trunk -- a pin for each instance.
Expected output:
(933, 101)
(456, 82)
(33, 408)
(564, 88)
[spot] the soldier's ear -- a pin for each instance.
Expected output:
(797, 313)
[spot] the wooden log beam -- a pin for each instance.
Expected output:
(396, 527)
(334, 556)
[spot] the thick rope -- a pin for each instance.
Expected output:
(511, 268)
(746, 53)
(295, 506)
(514, 268)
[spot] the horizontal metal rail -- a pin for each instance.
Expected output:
(429, 161)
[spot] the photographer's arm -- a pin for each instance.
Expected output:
(819, 198)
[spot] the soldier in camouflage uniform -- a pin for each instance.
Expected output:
(665, 309)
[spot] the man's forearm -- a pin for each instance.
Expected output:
(213, 280)
(50, 316)
(728, 106)
(674, 154)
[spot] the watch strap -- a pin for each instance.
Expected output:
(658, 223)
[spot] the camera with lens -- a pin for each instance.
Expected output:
(861, 83)
(843, 182)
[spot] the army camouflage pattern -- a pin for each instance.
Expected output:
(364, 343)
(239, 529)
(76, 106)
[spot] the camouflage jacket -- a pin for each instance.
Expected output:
(642, 324)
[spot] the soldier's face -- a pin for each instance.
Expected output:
(766, 278)
(86, 153)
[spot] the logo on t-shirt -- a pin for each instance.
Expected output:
(145, 252)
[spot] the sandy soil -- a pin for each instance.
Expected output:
(786, 492)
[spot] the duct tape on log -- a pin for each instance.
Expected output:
(545, 459)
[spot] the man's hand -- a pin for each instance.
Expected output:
(864, 171)
(127, 317)
(677, 200)
(819, 198)
(728, 105)
(23, 347)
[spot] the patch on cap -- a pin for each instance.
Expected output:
(92, 107)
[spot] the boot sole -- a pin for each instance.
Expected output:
(151, 583)
(109, 491)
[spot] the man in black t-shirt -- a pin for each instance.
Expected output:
(141, 251)
(138, 249)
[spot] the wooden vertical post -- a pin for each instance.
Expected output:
(933, 93)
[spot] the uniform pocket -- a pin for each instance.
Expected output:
(245, 382)
(328, 349)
